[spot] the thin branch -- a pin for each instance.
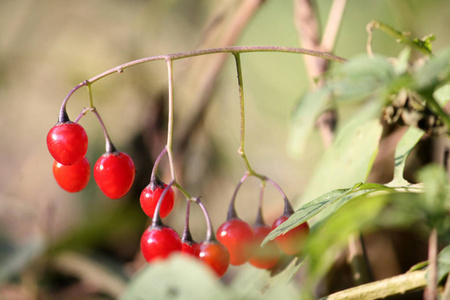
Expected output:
(220, 32)
(333, 25)
(431, 292)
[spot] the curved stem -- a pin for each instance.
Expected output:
(210, 236)
(259, 217)
(108, 144)
(156, 220)
(175, 56)
(156, 164)
(187, 236)
(288, 210)
(232, 214)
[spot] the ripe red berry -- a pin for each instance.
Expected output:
(72, 178)
(114, 173)
(265, 257)
(158, 242)
(215, 255)
(292, 241)
(237, 236)
(67, 142)
(150, 197)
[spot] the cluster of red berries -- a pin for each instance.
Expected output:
(244, 241)
(236, 243)
(160, 241)
(67, 142)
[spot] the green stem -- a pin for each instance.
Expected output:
(398, 35)
(170, 117)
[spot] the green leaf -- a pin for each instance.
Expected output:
(443, 263)
(312, 208)
(404, 147)
(433, 73)
(304, 118)
(327, 240)
(360, 77)
(442, 95)
(350, 157)
(179, 277)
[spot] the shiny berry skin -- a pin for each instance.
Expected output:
(292, 241)
(265, 257)
(237, 236)
(150, 197)
(67, 142)
(215, 255)
(114, 174)
(159, 242)
(190, 248)
(72, 178)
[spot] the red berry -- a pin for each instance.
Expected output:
(190, 248)
(265, 257)
(292, 241)
(215, 255)
(159, 242)
(67, 142)
(150, 197)
(237, 236)
(72, 178)
(114, 173)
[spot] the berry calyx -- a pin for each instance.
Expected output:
(215, 255)
(72, 178)
(67, 142)
(237, 236)
(292, 241)
(190, 248)
(150, 196)
(265, 257)
(158, 242)
(114, 174)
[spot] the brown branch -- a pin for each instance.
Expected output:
(431, 292)
(209, 74)
(383, 288)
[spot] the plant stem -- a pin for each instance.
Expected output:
(156, 164)
(170, 117)
(431, 292)
(110, 148)
(175, 56)
(156, 220)
(210, 236)
(232, 214)
(398, 35)
(383, 288)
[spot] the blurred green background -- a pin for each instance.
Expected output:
(47, 47)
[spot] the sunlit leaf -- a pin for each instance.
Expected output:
(442, 95)
(404, 147)
(444, 263)
(434, 72)
(350, 157)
